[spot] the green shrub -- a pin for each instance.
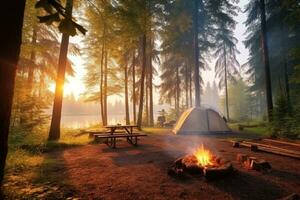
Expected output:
(284, 122)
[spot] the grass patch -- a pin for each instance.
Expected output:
(258, 130)
(255, 127)
(156, 130)
(19, 160)
(29, 169)
(26, 149)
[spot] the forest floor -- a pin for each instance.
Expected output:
(94, 171)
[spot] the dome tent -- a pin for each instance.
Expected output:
(199, 120)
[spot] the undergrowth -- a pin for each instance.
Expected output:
(28, 160)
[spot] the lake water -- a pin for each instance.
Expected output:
(83, 121)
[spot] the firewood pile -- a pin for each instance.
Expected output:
(253, 163)
(255, 146)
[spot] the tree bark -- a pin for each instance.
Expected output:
(105, 89)
(226, 85)
(177, 106)
(196, 54)
(266, 61)
(54, 133)
(286, 80)
(101, 82)
(32, 58)
(186, 87)
(147, 101)
(151, 115)
(190, 87)
(285, 63)
(42, 83)
(11, 16)
(133, 88)
(126, 95)
(141, 100)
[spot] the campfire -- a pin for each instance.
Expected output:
(201, 162)
(203, 156)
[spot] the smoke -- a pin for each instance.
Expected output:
(179, 145)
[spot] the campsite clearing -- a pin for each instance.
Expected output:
(98, 172)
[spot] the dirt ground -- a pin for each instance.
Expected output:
(99, 172)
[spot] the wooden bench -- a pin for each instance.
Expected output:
(93, 133)
(111, 139)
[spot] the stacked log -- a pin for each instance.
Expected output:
(267, 148)
(253, 163)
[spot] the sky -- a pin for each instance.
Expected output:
(209, 76)
(75, 85)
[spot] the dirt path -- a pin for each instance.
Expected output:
(98, 172)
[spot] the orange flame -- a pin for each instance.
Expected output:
(204, 156)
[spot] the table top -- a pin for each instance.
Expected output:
(120, 126)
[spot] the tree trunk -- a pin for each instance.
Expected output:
(42, 83)
(186, 87)
(151, 115)
(141, 101)
(12, 13)
(196, 54)
(32, 58)
(265, 49)
(226, 85)
(133, 88)
(105, 89)
(286, 81)
(54, 133)
(190, 87)
(126, 95)
(177, 92)
(147, 101)
(283, 39)
(101, 82)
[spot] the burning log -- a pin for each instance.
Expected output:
(190, 164)
(202, 162)
(218, 172)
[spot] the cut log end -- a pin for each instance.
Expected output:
(260, 165)
(253, 163)
(254, 147)
(241, 158)
(236, 144)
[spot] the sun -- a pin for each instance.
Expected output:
(74, 85)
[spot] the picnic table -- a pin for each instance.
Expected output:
(114, 132)
(125, 128)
